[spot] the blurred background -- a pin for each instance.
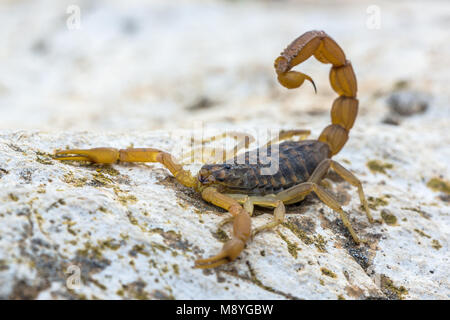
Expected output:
(134, 65)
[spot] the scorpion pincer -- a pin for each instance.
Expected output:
(237, 187)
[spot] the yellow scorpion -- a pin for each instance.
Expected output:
(238, 187)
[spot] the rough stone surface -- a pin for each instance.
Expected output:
(137, 71)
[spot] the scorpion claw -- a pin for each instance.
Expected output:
(98, 155)
(73, 158)
(230, 251)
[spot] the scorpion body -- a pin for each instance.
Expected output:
(297, 160)
(302, 164)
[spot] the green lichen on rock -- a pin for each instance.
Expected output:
(423, 234)
(44, 158)
(132, 219)
(317, 240)
(134, 290)
(390, 290)
(90, 251)
(298, 232)
(124, 198)
(69, 225)
(320, 243)
(108, 170)
(374, 203)
(158, 246)
(3, 265)
(328, 273)
(436, 244)
(388, 217)
(221, 235)
(378, 166)
(292, 247)
(13, 197)
(138, 249)
(109, 243)
(98, 284)
(99, 179)
(172, 239)
(76, 182)
(438, 184)
(176, 269)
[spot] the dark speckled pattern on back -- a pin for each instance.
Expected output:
(297, 161)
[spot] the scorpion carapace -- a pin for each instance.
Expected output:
(297, 161)
(237, 187)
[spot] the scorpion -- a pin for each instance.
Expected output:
(303, 163)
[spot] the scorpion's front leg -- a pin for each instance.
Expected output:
(241, 229)
(217, 154)
(289, 134)
(111, 155)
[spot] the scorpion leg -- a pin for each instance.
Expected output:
(278, 218)
(288, 134)
(241, 229)
(268, 201)
(263, 201)
(323, 168)
(298, 192)
(216, 154)
(247, 204)
(111, 155)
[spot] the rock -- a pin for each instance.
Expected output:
(129, 231)
(407, 103)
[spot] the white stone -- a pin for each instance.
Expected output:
(132, 231)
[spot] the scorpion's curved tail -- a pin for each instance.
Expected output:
(342, 78)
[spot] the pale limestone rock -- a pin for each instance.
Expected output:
(133, 232)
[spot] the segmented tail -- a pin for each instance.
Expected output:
(342, 79)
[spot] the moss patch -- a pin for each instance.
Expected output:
(379, 166)
(438, 184)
